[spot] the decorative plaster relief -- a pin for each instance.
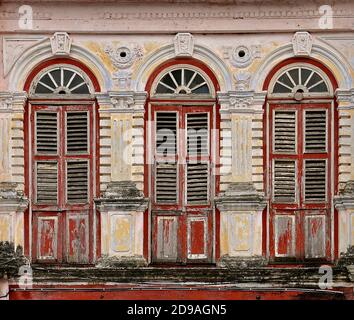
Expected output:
(302, 43)
(122, 78)
(122, 102)
(61, 43)
(5, 101)
(242, 56)
(14, 47)
(242, 101)
(184, 45)
(124, 57)
(242, 80)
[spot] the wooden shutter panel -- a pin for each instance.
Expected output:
(166, 133)
(284, 183)
(77, 181)
(197, 183)
(166, 169)
(166, 183)
(77, 132)
(46, 132)
(197, 145)
(315, 180)
(197, 134)
(315, 130)
(285, 131)
(47, 182)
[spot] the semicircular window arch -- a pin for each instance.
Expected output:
(61, 80)
(305, 80)
(183, 81)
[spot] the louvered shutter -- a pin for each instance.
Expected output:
(77, 181)
(315, 180)
(166, 166)
(47, 182)
(197, 183)
(285, 131)
(284, 181)
(198, 152)
(46, 132)
(315, 130)
(166, 183)
(77, 132)
(197, 134)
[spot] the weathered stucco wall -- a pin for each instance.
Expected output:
(233, 40)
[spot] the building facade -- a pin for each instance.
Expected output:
(211, 134)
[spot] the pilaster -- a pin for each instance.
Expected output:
(344, 201)
(121, 203)
(12, 200)
(241, 200)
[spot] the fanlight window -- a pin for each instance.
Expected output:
(183, 81)
(61, 80)
(300, 80)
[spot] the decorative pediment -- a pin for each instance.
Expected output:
(302, 43)
(184, 45)
(61, 43)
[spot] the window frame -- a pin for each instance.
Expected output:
(291, 66)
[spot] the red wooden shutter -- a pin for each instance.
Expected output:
(197, 157)
(46, 144)
(166, 165)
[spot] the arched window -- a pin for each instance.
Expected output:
(62, 160)
(182, 113)
(300, 116)
(61, 79)
(183, 80)
(299, 81)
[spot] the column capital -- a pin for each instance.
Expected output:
(122, 101)
(345, 97)
(241, 101)
(12, 101)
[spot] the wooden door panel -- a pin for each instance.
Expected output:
(285, 235)
(316, 235)
(77, 235)
(47, 236)
(167, 238)
(197, 235)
